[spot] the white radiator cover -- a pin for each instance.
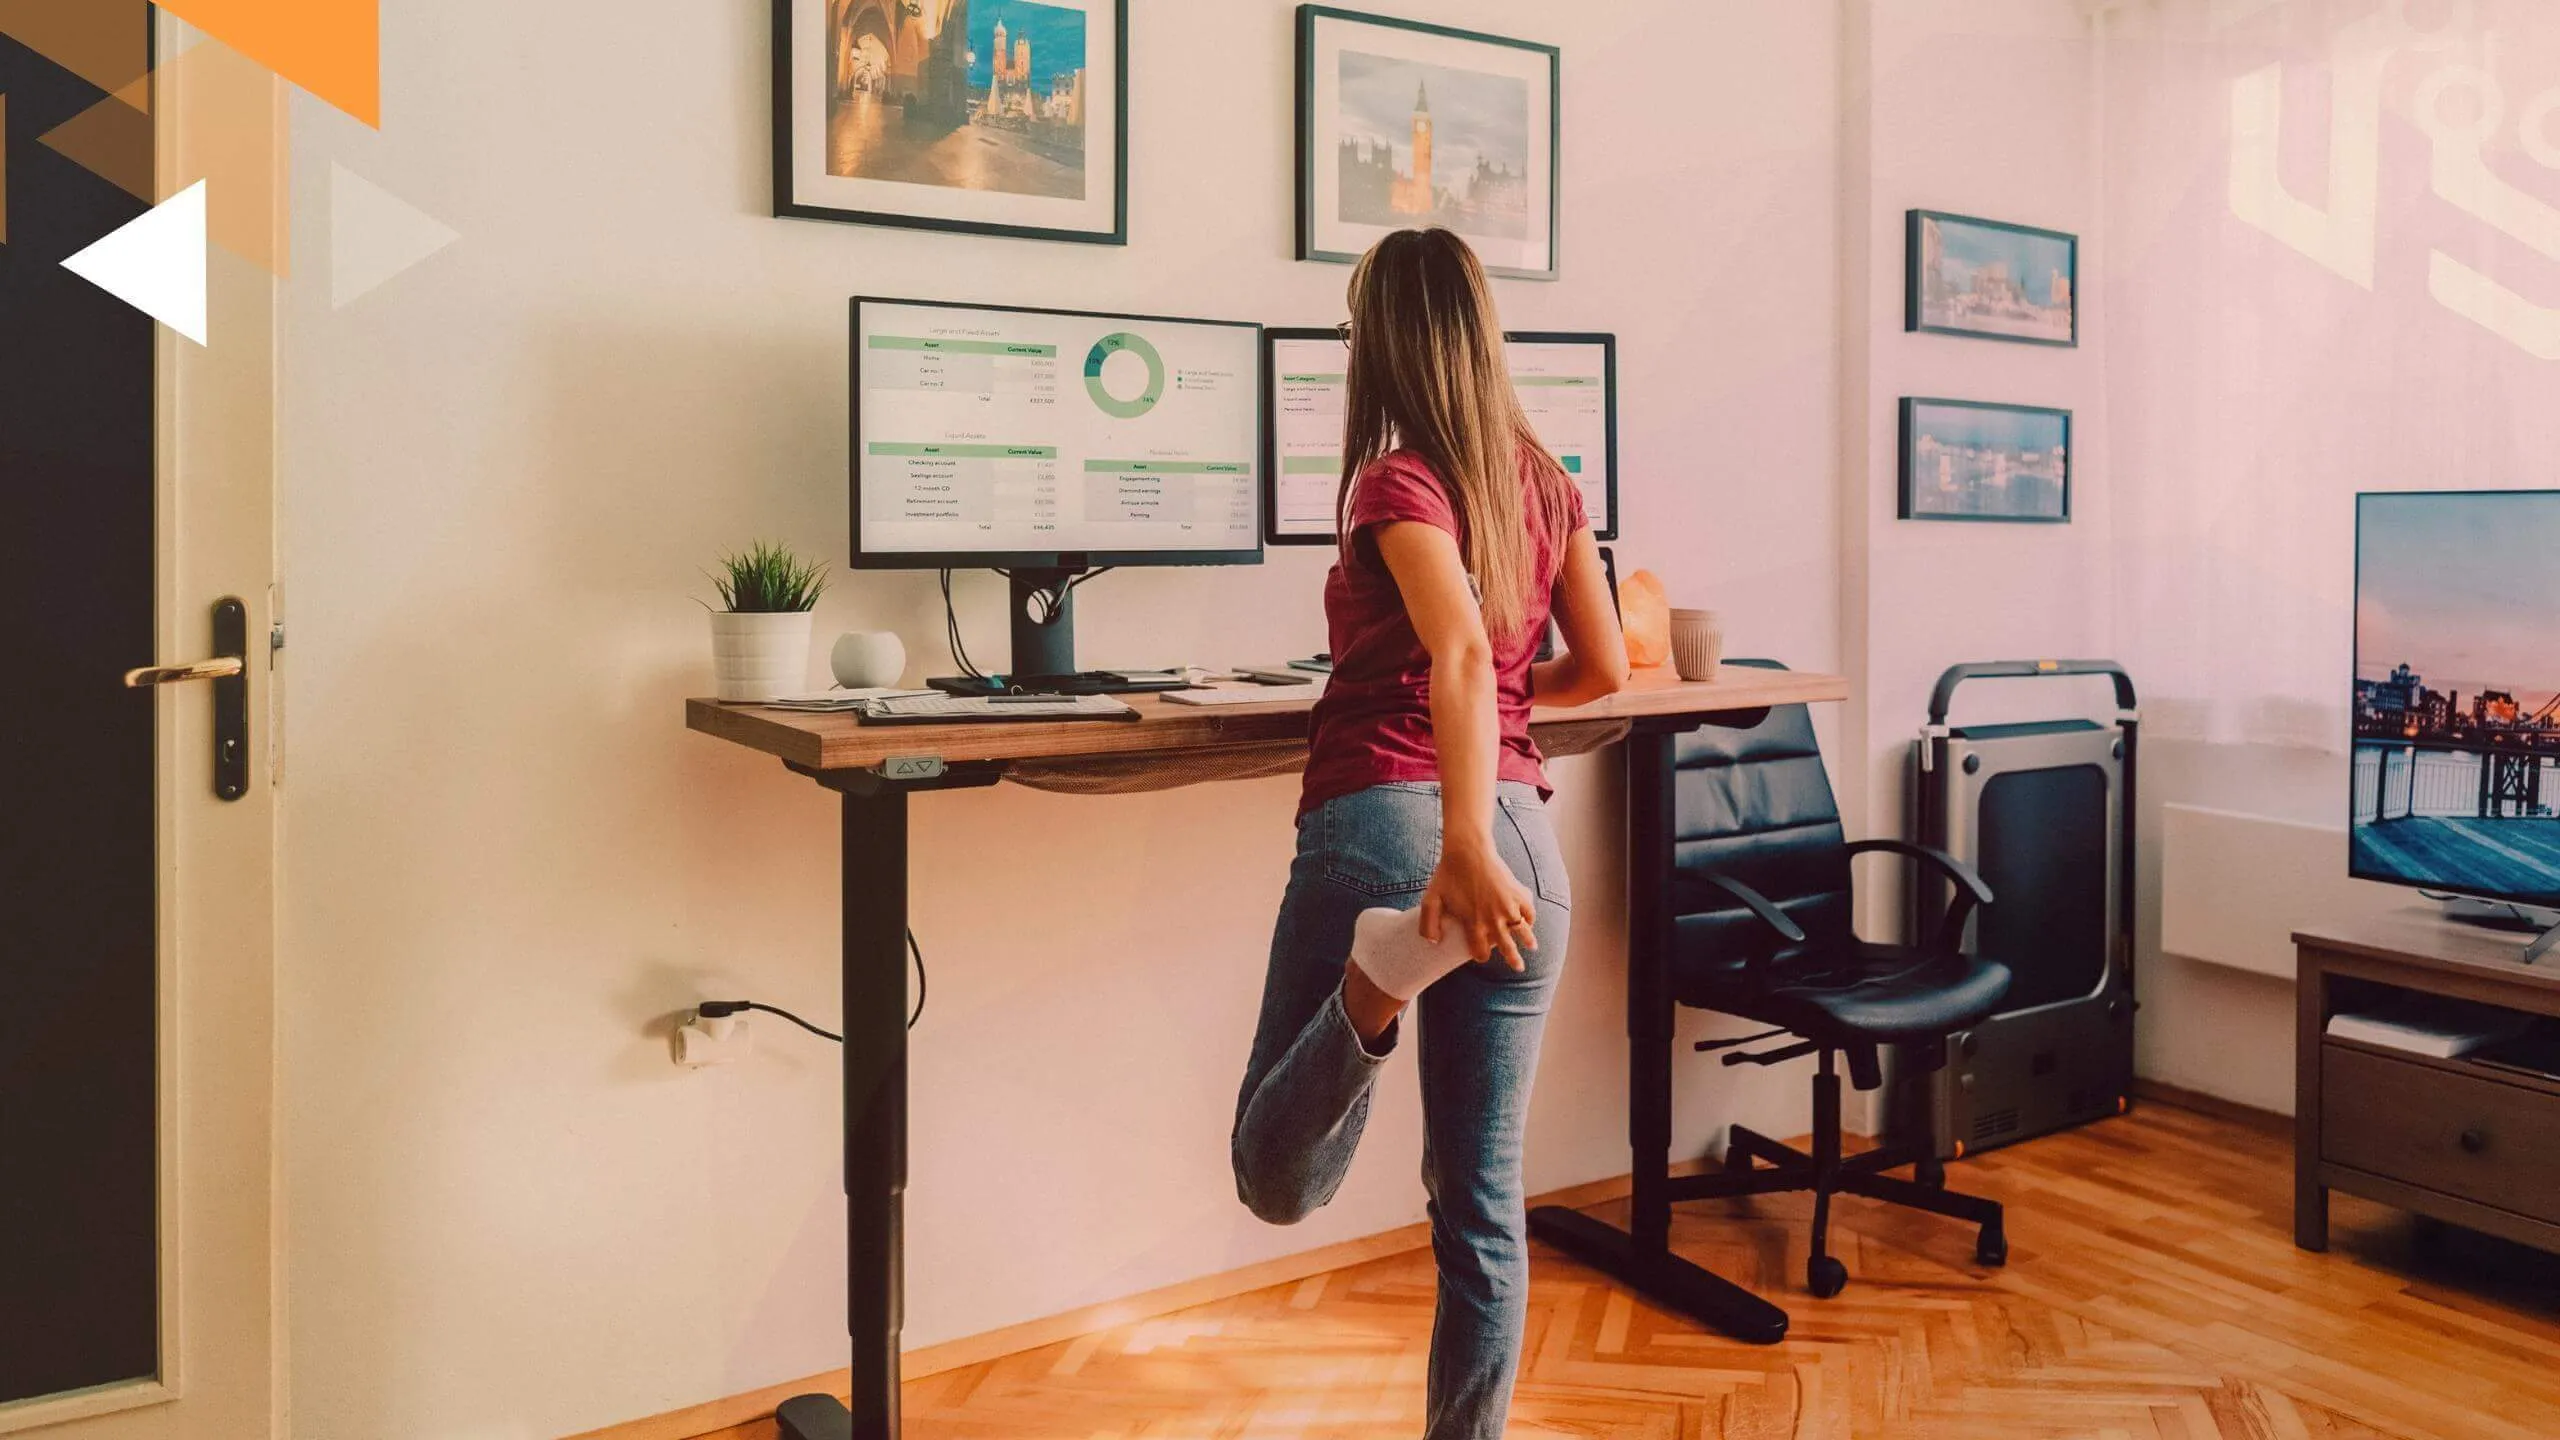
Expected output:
(2234, 887)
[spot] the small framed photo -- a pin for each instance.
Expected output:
(1403, 125)
(993, 117)
(1992, 281)
(1965, 460)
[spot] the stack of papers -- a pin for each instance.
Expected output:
(825, 702)
(2438, 1028)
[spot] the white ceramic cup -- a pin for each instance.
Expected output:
(868, 659)
(1697, 643)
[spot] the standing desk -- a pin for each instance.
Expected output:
(876, 767)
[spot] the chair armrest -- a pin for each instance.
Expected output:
(1965, 876)
(1972, 891)
(1752, 900)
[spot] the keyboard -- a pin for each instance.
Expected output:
(960, 709)
(1089, 682)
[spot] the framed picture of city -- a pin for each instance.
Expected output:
(1965, 460)
(1992, 281)
(998, 117)
(1403, 125)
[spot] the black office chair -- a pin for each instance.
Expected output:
(1740, 891)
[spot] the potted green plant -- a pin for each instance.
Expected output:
(760, 633)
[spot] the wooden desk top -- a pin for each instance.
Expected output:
(841, 742)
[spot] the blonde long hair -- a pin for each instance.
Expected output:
(1428, 374)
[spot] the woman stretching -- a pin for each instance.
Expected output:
(1426, 870)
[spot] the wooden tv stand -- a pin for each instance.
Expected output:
(2463, 1142)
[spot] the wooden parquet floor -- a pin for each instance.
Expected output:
(2153, 1293)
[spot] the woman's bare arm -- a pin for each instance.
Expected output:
(1472, 885)
(1595, 660)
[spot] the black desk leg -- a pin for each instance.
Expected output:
(875, 1123)
(1641, 1257)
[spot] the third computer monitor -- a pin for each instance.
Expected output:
(1568, 384)
(987, 436)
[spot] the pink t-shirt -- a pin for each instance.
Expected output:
(1373, 726)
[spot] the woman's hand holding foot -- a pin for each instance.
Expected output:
(1392, 961)
(1475, 900)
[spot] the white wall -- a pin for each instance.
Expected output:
(2259, 378)
(507, 863)
(1985, 108)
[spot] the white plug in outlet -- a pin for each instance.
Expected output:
(717, 1040)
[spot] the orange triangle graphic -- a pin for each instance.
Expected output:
(332, 48)
(232, 140)
(105, 42)
(112, 138)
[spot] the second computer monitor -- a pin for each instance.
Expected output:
(1568, 384)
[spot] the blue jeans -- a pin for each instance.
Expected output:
(1306, 1088)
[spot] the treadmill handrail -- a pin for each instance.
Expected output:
(1945, 694)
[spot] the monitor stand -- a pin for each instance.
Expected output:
(1044, 651)
(2543, 925)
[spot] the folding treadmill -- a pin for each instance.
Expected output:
(2044, 810)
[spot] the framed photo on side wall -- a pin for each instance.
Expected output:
(1965, 460)
(1403, 125)
(1992, 281)
(993, 117)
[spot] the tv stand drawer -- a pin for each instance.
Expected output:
(2429, 1125)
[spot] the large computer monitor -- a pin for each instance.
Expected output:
(1048, 443)
(990, 436)
(1568, 384)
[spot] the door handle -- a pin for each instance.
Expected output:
(220, 667)
(228, 669)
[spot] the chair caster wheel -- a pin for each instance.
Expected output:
(1993, 1248)
(1825, 1276)
(1931, 1172)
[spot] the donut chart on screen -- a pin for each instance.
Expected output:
(1112, 405)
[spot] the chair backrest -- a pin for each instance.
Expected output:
(1756, 805)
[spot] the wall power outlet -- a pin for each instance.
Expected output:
(720, 1040)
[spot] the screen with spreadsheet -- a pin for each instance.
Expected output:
(1567, 385)
(990, 436)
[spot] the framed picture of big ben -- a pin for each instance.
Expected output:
(1403, 125)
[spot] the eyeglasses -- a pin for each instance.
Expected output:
(1343, 330)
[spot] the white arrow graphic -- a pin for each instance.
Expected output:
(155, 263)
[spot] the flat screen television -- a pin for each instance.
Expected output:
(2455, 783)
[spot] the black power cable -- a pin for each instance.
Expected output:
(717, 1009)
(951, 632)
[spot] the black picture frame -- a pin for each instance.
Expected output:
(1915, 319)
(1070, 560)
(1309, 17)
(788, 204)
(1604, 526)
(1907, 509)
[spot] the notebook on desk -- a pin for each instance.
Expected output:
(1246, 694)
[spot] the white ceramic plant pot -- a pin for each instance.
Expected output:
(868, 660)
(760, 657)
